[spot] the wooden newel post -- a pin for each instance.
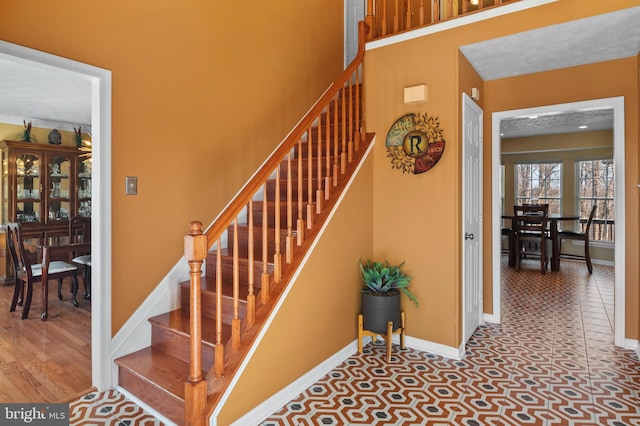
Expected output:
(195, 251)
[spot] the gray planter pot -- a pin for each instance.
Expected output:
(378, 310)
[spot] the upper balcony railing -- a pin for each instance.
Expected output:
(389, 17)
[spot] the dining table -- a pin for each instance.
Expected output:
(51, 247)
(553, 235)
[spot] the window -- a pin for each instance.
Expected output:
(539, 183)
(595, 186)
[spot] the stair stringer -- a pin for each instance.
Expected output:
(284, 291)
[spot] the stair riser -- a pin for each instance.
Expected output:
(178, 345)
(271, 189)
(258, 212)
(227, 268)
(208, 301)
(305, 168)
(243, 238)
(164, 402)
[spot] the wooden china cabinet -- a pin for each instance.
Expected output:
(43, 186)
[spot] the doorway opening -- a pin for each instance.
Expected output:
(617, 104)
(100, 80)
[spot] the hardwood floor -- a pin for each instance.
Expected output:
(45, 361)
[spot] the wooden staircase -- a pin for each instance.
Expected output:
(250, 252)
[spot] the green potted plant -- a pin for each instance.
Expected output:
(380, 295)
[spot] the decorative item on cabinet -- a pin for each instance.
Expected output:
(77, 137)
(54, 137)
(26, 135)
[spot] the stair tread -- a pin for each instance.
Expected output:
(158, 367)
(179, 321)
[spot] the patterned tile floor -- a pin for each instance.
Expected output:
(108, 408)
(550, 362)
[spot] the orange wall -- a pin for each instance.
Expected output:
(417, 217)
(600, 80)
(318, 318)
(202, 91)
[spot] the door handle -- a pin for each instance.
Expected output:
(468, 236)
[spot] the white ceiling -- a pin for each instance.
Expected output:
(50, 98)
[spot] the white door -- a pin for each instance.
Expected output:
(471, 216)
(353, 13)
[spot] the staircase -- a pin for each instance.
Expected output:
(250, 252)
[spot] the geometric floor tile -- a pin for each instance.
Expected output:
(551, 361)
(108, 408)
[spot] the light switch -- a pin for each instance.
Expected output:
(131, 185)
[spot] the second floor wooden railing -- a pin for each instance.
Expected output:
(277, 210)
(389, 17)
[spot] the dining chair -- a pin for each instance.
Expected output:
(80, 228)
(530, 233)
(579, 236)
(27, 273)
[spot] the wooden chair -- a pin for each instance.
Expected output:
(27, 273)
(579, 236)
(530, 229)
(80, 229)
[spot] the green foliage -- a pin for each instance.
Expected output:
(381, 278)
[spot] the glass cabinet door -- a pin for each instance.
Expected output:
(28, 195)
(58, 188)
(4, 187)
(84, 187)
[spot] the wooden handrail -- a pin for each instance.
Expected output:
(267, 184)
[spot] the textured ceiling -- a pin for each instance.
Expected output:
(566, 122)
(43, 95)
(51, 98)
(600, 38)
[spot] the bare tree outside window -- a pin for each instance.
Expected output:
(539, 183)
(595, 187)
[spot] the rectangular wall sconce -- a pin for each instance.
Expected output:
(415, 94)
(475, 94)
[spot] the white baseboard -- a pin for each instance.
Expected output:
(435, 348)
(631, 344)
(491, 318)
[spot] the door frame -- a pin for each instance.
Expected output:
(615, 103)
(467, 100)
(101, 196)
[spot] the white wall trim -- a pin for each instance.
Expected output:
(457, 22)
(436, 348)
(491, 318)
(101, 200)
(632, 344)
(617, 104)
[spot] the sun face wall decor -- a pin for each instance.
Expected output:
(415, 143)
